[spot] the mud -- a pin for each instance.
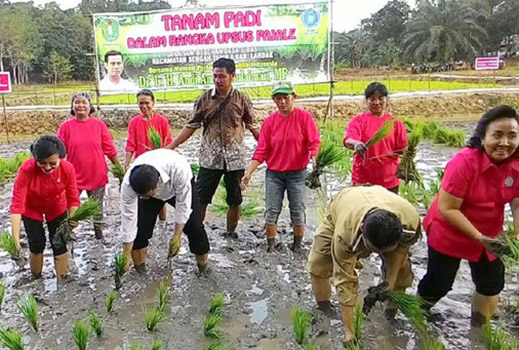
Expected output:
(260, 287)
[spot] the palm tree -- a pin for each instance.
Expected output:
(441, 30)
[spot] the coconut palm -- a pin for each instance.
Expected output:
(441, 30)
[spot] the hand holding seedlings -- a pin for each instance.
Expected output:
(360, 148)
(376, 293)
(174, 245)
(494, 246)
(8, 244)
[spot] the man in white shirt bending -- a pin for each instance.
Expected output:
(155, 178)
(113, 82)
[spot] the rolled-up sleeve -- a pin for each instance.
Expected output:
(344, 274)
(183, 196)
(128, 212)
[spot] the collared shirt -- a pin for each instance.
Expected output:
(36, 193)
(107, 86)
(379, 165)
(175, 181)
(222, 145)
(485, 189)
(346, 214)
(138, 140)
(287, 143)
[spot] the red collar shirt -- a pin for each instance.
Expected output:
(380, 162)
(138, 140)
(485, 189)
(36, 194)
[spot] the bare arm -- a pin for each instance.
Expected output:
(248, 173)
(115, 160)
(16, 224)
(255, 132)
(183, 136)
(128, 159)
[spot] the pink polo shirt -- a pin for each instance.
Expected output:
(379, 165)
(87, 143)
(485, 189)
(138, 140)
(287, 143)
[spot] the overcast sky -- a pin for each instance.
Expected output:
(347, 13)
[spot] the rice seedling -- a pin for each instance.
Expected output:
(211, 323)
(412, 307)
(64, 234)
(381, 133)
(2, 294)
(430, 343)
(407, 169)
(29, 309)
(9, 166)
(7, 244)
(456, 138)
(80, 334)
(511, 256)
(409, 191)
(155, 138)
(135, 347)
(301, 321)
(358, 322)
(429, 129)
(110, 301)
(157, 344)
(120, 264)
(163, 295)
(498, 339)
(217, 304)
(11, 338)
(96, 323)
(310, 345)
(118, 172)
(215, 346)
(251, 209)
(329, 154)
(153, 317)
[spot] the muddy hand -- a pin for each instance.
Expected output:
(494, 246)
(376, 293)
(360, 148)
(174, 246)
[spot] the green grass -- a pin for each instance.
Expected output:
(163, 295)
(95, 323)
(29, 309)
(110, 301)
(153, 317)
(80, 334)
(300, 321)
(45, 94)
(11, 339)
(157, 344)
(211, 323)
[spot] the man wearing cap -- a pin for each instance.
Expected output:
(361, 220)
(288, 140)
(224, 112)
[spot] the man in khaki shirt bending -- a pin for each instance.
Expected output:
(362, 220)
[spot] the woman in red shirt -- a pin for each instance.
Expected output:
(88, 141)
(468, 213)
(377, 164)
(138, 140)
(45, 188)
(288, 140)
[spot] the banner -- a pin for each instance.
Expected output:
(174, 49)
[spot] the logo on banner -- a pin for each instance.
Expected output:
(311, 18)
(5, 82)
(110, 29)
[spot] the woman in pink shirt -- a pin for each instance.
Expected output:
(288, 140)
(377, 164)
(138, 140)
(468, 213)
(88, 141)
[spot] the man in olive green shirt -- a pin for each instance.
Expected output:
(362, 220)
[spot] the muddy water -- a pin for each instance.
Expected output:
(259, 288)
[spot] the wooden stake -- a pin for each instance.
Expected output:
(5, 118)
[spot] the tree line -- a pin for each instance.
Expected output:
(435, 31)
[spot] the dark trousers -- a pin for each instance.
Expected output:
(148, 209)
(488, 276)
(209, 179)
(36, 234)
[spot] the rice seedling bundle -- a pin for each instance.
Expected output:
(2, 294)
(301, 321)
(511, 255)
(358, 322)
(430, 343)
(215, 346)
(95, 323)
(407, 169)
(7, 244)
(211, 323)
(498, 339)
(251, 209)
(110, 301)
(195, 167)
(154, 137)
(120, 263)
(381, 133)
(409, 191)
(412, 307)
(80, 334)
(456, 138)
(310, 345)
(64, 234)
(329, 154)
(118, 172)
(217, 303)
(9, 167)
(429, 129)
(29, 309)
(157, 344)
(153, 317)
(163, 295)
(11, 338)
